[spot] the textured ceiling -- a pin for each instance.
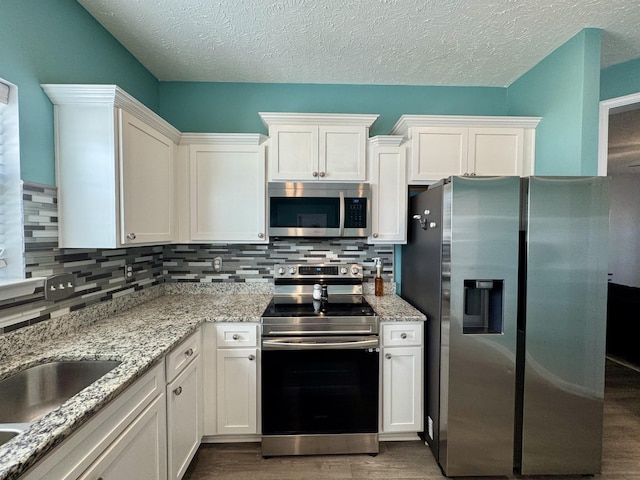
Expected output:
(391, 42)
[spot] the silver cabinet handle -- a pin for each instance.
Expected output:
(252, 358)
(387, 356)
(322, 174)
(189, 352)
(403, 336)
(178, 391)
(261, 235)
(236, 336)
(375, 235)
(131, 236)
(315, 174)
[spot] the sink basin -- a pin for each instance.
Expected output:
(8, 432)
(30, 394)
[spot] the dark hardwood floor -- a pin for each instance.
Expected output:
(412, 460)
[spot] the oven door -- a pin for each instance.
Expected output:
(319, 385)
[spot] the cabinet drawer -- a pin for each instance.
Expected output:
(401, 334)
(182, 355)
(236, 335)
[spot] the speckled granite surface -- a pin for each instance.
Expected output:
(139, 337)
(391, 308)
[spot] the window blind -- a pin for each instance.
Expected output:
(4, 101)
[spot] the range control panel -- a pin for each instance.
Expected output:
(306, 271)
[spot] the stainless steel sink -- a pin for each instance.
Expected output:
(7, 432)
(30, 394)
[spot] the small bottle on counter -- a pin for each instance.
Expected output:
(379, 282)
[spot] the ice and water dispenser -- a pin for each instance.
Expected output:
(483, 306)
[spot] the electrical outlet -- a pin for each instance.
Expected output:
(59, 286)
(217, 264)
(128, 273)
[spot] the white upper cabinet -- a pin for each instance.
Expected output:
(114, 168)
(441, 146)
(388, 179)
(327, 147)
(224, 197)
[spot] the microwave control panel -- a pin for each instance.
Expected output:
(355, 213)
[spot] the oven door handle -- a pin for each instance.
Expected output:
(342, 214)
(320, 343)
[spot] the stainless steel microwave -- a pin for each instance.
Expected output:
(317, 209)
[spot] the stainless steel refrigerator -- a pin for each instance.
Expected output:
(511, 274)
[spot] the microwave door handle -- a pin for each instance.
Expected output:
(342, 213)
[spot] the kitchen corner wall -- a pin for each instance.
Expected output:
(99, 273)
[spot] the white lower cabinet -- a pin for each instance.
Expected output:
(128, 435)
(237, 393)
(143, 434)
(138, 453)
(231, 386)
(402, 398)
(184, 406)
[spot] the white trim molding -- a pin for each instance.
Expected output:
(109, 95)
(408, 121)
(285, 118)
(222, 139)
(607, 107)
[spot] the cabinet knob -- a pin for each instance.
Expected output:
(189, 352)
(403, 336)
(375, 235)
(387, 356)
(315, 174)
(236, 336)
(131, 236)
(178, 391)
(261, 235)
(322, 174)
(252, 357)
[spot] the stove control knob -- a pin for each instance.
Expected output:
(343, 270)
(281, 271)
(355, 270)
(292, 270)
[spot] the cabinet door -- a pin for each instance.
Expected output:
(146, 183)
(293, 152)
(228, 193)
(140, 452)
(184, 419)
(438, 152)
(496, 151)
(342, 153)
(402, 389)
(388, 195)
(236, 377)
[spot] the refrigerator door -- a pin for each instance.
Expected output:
(479, 325)
(565, 324)
(421, 286)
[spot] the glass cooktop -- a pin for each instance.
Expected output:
(317, 308)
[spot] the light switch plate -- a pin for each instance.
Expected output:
(57, 287)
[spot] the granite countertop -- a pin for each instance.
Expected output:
(138, 337)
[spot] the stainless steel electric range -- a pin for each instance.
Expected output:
(320, 364)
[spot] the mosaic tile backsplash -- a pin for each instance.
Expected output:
(99, 273)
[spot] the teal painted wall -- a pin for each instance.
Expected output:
(620, 80)
(564, 89)
(234, 107)
(57, 41)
